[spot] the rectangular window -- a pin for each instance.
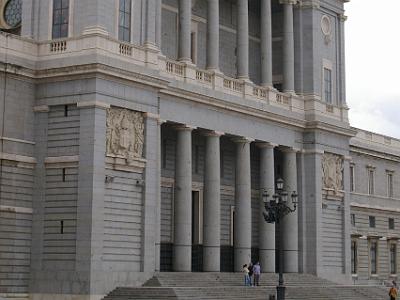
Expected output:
(60, 19)
(391, 223)
(393, 259)
(371, 221)
(390, 185)
(328, 85)
(352, 183)
(353, 219)
(373, 249)
(353, 257)
(124, 21)
(371, 188)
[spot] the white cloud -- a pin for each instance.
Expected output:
(373, 65)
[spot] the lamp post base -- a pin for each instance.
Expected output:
(280, 292)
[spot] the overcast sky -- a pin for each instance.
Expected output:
(373, 65)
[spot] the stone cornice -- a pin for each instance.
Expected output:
(93, 104)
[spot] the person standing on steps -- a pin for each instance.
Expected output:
(257, 273)
(246, 275)
(393, 291)
(250, 272)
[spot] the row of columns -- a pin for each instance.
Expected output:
(212, 57)
(182, 248)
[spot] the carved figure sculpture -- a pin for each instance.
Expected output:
(332, 168)
(125, 133)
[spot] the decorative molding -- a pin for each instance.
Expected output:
(18, 158)
(332, 171)
(125, 134)
(17, 140)
(136, 165)
(310, 4)
(41, 108)
(15, 209)
(313, 151)
(93, 104)
(152, 116)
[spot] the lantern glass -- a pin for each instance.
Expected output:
(279, 184)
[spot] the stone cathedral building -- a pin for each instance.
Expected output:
(139, 136)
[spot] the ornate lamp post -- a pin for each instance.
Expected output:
(276, 207)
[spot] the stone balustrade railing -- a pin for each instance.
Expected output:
(142, 56)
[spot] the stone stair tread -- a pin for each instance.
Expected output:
(229, 286)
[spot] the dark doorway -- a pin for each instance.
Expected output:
(197, 232)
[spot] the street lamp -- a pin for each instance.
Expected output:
(277, 207)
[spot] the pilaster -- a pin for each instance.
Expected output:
(90, 204)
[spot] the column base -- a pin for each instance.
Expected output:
(211, 258)
(291, 261)
(182, 258)
(242, 256)
(267, 260)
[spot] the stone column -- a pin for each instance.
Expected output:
(266, 43)
(213, 35)
(182, 249)
(212, 204)
(242, 44)
(242, 226)
(158, 23)
(290, 222)
(288, 46)
(266, 232)
(150, 30)
(185, 16)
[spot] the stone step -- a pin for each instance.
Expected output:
(175, 279)
(249, 293)
(229, 286)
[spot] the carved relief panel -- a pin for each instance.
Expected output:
(125, 134)
(332, 171)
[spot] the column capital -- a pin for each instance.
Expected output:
(266, 145)
(242, 140)
(184, 127)
(342, 17)
(152, 116)
(290, 150)
(213, 133)
(292, 2)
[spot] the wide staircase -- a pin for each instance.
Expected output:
(229, 286)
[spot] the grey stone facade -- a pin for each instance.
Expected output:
(86, 206)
